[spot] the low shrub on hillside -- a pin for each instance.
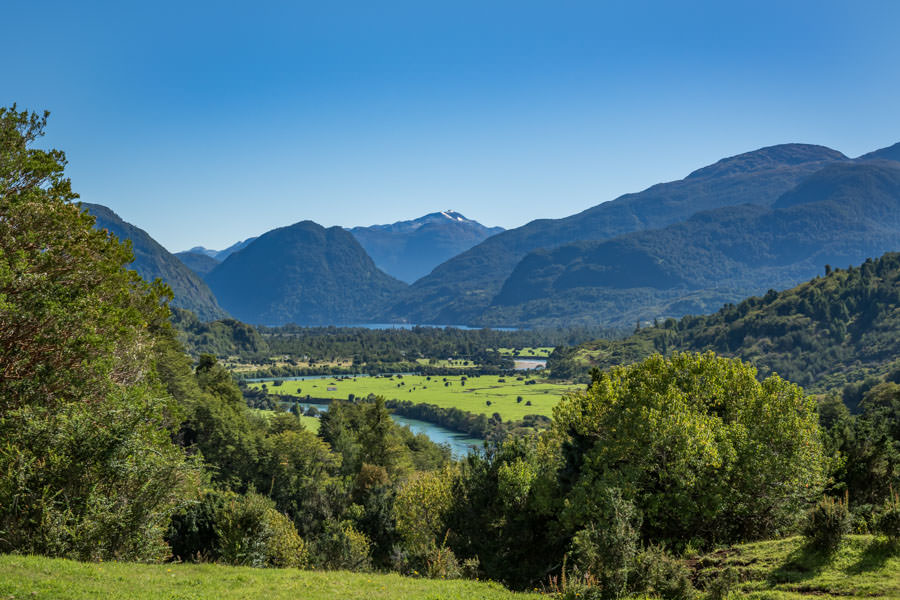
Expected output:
(827, 524)
(888, 523)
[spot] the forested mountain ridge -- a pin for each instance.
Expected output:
(153, 261)
(409, 250)
(840, 215)
(836, 329)
(198, 262)
(459, 290)
(302, 274)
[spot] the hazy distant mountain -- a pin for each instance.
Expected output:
(409, 250)
(199, 263)
(302, 274)
(462, 288)
(889, 153)
(841, 215)
(220, 255)
(152, 260)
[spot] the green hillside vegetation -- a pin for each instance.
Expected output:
(119, 446)
(843, 328)
(302, 274)
(153, 261)
(57, 579)
(839, 215)
(459, 290)
(485, 394)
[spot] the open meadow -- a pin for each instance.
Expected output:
(485, 394)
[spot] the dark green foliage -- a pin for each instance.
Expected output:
(461, 289)
(821, 334)
(87, 466)
(223, 338)
(152, 261)
(659, 575)
(302, 274)
(827, 524)
(703, 449)
(888, 522)
(608, 549)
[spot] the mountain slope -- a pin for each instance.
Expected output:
(840, 215)
(844, 327)
(889, 153)
(409, 250)
(198, 262)
(220, 255)
(153, 261)
(302, 274)
(459, 290)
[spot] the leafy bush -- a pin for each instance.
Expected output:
(607, 551)
(659, 575)
(344, 547)
(252, 533)
(888, 523)
(827, 524)
(707, 450)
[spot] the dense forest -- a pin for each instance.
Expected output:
(839, 332)
(120, 445)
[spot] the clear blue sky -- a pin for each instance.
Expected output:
(205, 123)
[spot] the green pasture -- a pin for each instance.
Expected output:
(58, 579)
(473, 396)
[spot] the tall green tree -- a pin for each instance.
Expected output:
(703, 449)
(87, 466)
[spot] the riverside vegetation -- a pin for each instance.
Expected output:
(119, 446)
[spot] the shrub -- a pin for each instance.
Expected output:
(659, 575)
(343, 547)
(827, 524)
(888, 523)
(608, 551)
(252, 533)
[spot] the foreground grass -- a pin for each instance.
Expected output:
(864, 567)
(472, 397)
(38, 577)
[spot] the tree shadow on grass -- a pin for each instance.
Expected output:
(874, 557)
(803, 563)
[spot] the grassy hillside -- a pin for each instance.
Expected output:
(472, 397)
(56, 579)
(822, 334)
(864, 567)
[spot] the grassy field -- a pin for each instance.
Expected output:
(311, 423)
(44, 578)
(863, 567)
(473, 396)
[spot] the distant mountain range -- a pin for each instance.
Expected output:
(304, 274)
(153, 261)
(840, 215)
(463, 288)
(409, 250)
(763, 219)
